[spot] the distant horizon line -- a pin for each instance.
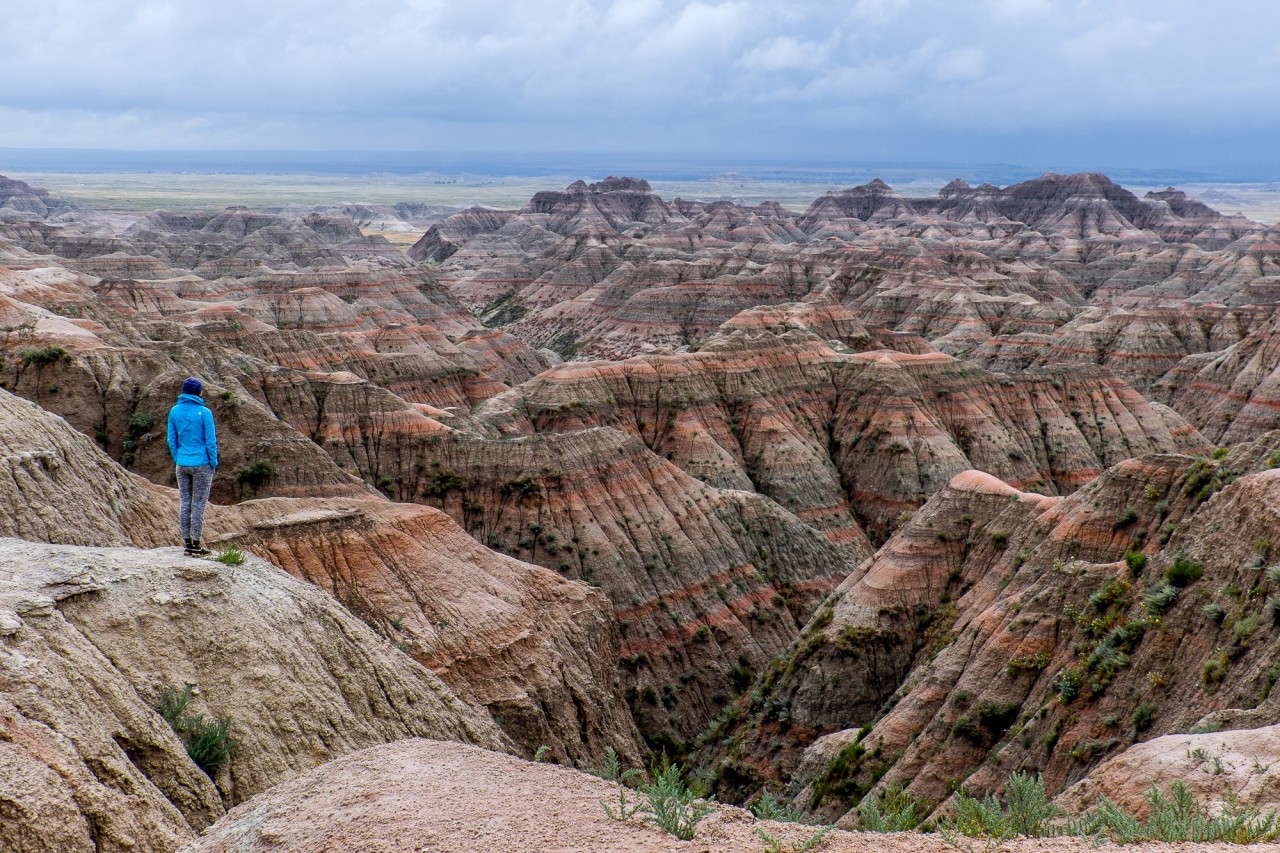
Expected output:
(344, 162)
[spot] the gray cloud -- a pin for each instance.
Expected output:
(804, 79)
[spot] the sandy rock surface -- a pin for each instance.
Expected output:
(420, 795)
(89, 637)
(1243, 761)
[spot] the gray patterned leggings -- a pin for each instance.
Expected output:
(194, 483)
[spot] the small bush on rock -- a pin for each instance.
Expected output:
(209, 743)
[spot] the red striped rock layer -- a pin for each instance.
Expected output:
(950, 647)
(707, 583)
(1141, 346)
(848, 442)
(1232, 395)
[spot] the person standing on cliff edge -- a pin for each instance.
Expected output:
(193, 443)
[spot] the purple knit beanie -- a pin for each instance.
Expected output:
(192, 386)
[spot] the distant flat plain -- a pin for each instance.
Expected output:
(144, 191)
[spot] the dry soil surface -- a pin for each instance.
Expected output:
(422, 795)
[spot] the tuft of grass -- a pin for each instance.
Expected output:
(230, 557)
(1216, 612)
(1158, 599)
(1126, 518)
(1136, 561)
(1273, 608)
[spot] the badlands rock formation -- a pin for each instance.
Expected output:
(1002, 631)
(894, 490)
(303, 677)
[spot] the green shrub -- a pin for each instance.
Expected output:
(1126, 518)
(1213, 671)
(41, 356)
(1269, 679)
(769, 807)
(1136, 561)
(230, 557)
(1273, 574)
(208, 742)
(996, 717)
(1026, 811)
(1177, 817)
(140, 423)
(1245, 628)
(1183, 572)
(255, 474)
(1144, 715)
(1068, 685)
(966, 728)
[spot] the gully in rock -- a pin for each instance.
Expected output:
(193, 443)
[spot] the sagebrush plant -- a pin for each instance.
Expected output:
(769, 807)
(1173, 817)
(777, 844)
(208, 741)
(1026, 811)
(672, 804)
(893, 811)
(613, 771)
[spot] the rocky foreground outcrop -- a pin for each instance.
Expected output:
(1210, 763)
(91, 638)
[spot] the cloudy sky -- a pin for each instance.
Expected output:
(1078, 83)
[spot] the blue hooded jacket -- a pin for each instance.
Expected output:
(192, 438)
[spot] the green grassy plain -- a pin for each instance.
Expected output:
(138, 192)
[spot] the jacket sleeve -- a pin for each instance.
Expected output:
(173, 437)
(210, 437)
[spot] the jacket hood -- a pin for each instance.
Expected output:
(190, 398)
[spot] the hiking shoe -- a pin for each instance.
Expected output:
(186, 547)
(197, 550)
